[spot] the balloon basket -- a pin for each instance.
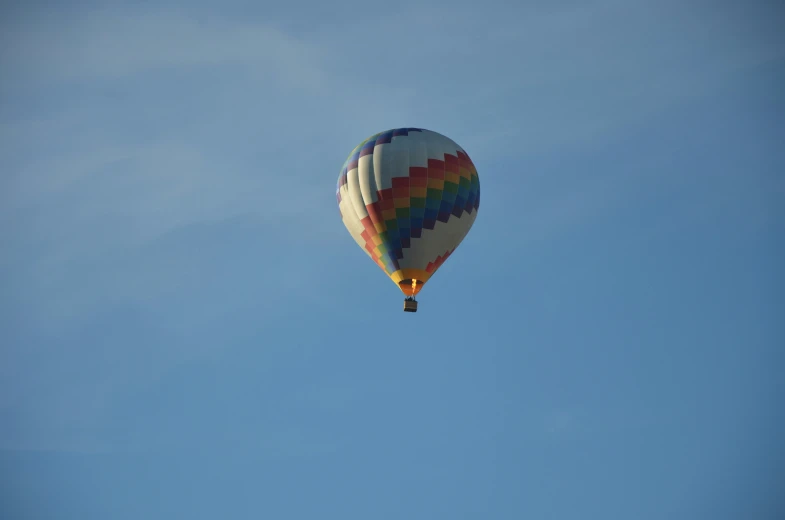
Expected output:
(409, 305)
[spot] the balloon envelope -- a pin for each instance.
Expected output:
(408, 197)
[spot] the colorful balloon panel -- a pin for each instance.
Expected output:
(408, 197)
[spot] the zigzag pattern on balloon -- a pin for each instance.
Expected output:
(446, 188)
(433, 266)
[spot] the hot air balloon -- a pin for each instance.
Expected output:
(408, 197)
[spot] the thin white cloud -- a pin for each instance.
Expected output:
(150, 187)
(93, 158)
(118, 45)
(523, 79)
(78, 163)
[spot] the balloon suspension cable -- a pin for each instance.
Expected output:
(414, 286)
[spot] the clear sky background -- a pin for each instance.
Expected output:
(188, 331)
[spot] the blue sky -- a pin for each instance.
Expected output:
(188, 331)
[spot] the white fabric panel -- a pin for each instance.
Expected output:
(444, 237)
(355, 194)
(391, 160)
(367, 179)
(418, 149)
(438, 145)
